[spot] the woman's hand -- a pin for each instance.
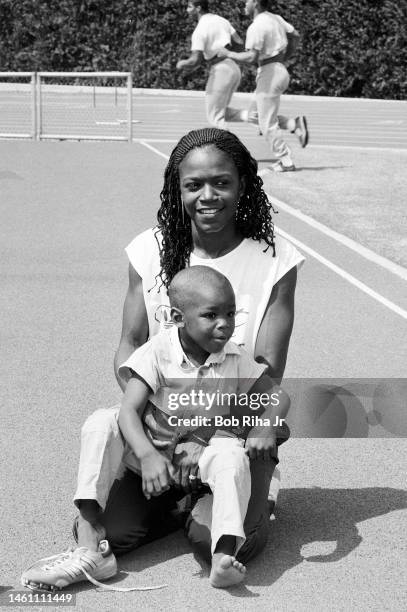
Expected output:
(157, 473)
(185, 462)
(261, 443)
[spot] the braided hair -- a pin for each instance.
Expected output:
(253, 215)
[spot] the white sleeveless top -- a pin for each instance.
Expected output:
(251, 272)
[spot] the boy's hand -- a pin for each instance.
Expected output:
(261, 443)
(157, 473)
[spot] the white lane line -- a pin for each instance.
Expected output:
(365, 134)
(144, 141)
(348, 242)
(194, 93)
(391, 122)
(146, 144)
(311, 146)
(126, 121)
(358, 147)
(351, 279)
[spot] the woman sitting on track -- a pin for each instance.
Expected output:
(213, 212)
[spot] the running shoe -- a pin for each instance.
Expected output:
(253, 117)
(280, 167)
(74, 565)
(301, 130)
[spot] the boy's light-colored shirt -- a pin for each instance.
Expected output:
(268, 34)
(211, 33)
(172, 378)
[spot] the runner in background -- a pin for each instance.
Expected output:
(211, 33)
(270, 42)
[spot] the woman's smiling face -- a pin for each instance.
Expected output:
(210, 188)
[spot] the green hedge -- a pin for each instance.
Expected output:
(348, 47)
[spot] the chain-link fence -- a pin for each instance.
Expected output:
(66, 105)
(18, 105)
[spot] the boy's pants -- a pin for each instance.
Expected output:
(271, 82)
(225, 467)
(131, 520)
(223, 80)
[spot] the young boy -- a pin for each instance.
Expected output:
(166, 375)
(197, 353)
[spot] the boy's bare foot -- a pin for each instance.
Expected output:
(226, 571)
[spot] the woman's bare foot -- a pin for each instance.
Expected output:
(226, 571)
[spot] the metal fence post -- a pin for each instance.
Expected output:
(39, 107)
(130, 107)
(34, 105)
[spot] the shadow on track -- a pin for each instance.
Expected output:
(316, 515)
(306, 517)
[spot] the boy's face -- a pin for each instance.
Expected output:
(209, 318)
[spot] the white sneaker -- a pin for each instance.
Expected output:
(74, 565)
(280, 167)
(301, 130)
(253, 117)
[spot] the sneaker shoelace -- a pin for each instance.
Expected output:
(108, 587)
(59, 559)
(83, 564)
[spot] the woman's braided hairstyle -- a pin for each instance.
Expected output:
(253, 215)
